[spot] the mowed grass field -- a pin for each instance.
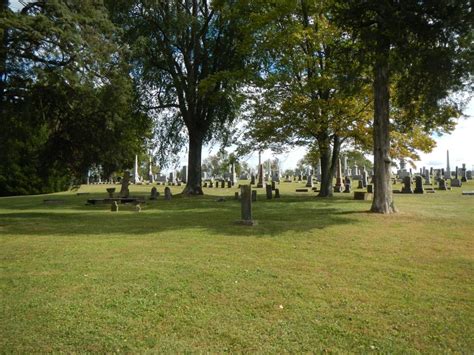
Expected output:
(313, 275)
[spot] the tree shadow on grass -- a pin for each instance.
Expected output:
(293, 214)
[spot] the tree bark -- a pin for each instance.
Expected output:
(383, 199)
(193, 185)
(329, 159)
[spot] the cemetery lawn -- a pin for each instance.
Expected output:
(313, 275)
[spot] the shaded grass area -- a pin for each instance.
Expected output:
(313, 275)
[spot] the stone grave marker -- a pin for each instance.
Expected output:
(124, 191)
(154, 194)
(406, 189)
(347, 184)
(168, 194)
(418, 185)
(246, 206)
(268, 190)
(277, 193)
(442, 184)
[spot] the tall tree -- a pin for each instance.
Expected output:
(67, 102)
(311, 90)
(187, 61)
(422, 49)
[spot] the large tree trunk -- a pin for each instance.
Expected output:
(383, 199)
(329, 159)
(193, 185)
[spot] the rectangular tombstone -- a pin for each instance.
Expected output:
(246, 206)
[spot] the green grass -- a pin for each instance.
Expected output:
(313, 275)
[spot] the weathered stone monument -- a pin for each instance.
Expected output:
(260, 170)
(184, 174)
(347, 184)
(136, 177)
(309, 182)
(151, 177)
(456, 182)
(370, 189)
(246, 206)
(463, 173)
(168, 194)
(406, 189)
(442, 184)
(154, 194)
(447, 173)
(124, 192)
(268, 190)
(419, 185)
(252, 179)
(339, 183)
(254, 195)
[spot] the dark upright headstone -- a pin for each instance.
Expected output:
(246, 205)
(277, 193)
(419, 185)
(254, 195)
(167, 193)
(406, 189)
(268, 189)
(347, 184)
(442, 184)
(154, 194)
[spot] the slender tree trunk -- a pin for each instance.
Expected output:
(383, 199)
(193, 185)
(329, 159)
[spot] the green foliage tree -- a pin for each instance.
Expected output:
(421, 52)
(67, 102)
(188, 60)
(312, 91)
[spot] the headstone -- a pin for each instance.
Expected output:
(419, 185)
(151, 177)
(223, 184)
(268, 189)
(184, 174)
(463, 173)
(124, 192)
(362, 195)
(277, 193)
(469, 174)
(114, 206)
(309, 182)
(273, 185)
(360, 184)
(260, 170)
(347, 184)
(364, 178)
(252, 179)
(136, 177)
(447, 173)
(246, 206)
(427, 178)
(254, 195)
(406, 189)
(154, 194)
(168, 194)
(229, 184)
(236, 195)
(370, 189)
(339, 183)
(442, 184)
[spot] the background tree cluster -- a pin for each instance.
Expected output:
(85, 82)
